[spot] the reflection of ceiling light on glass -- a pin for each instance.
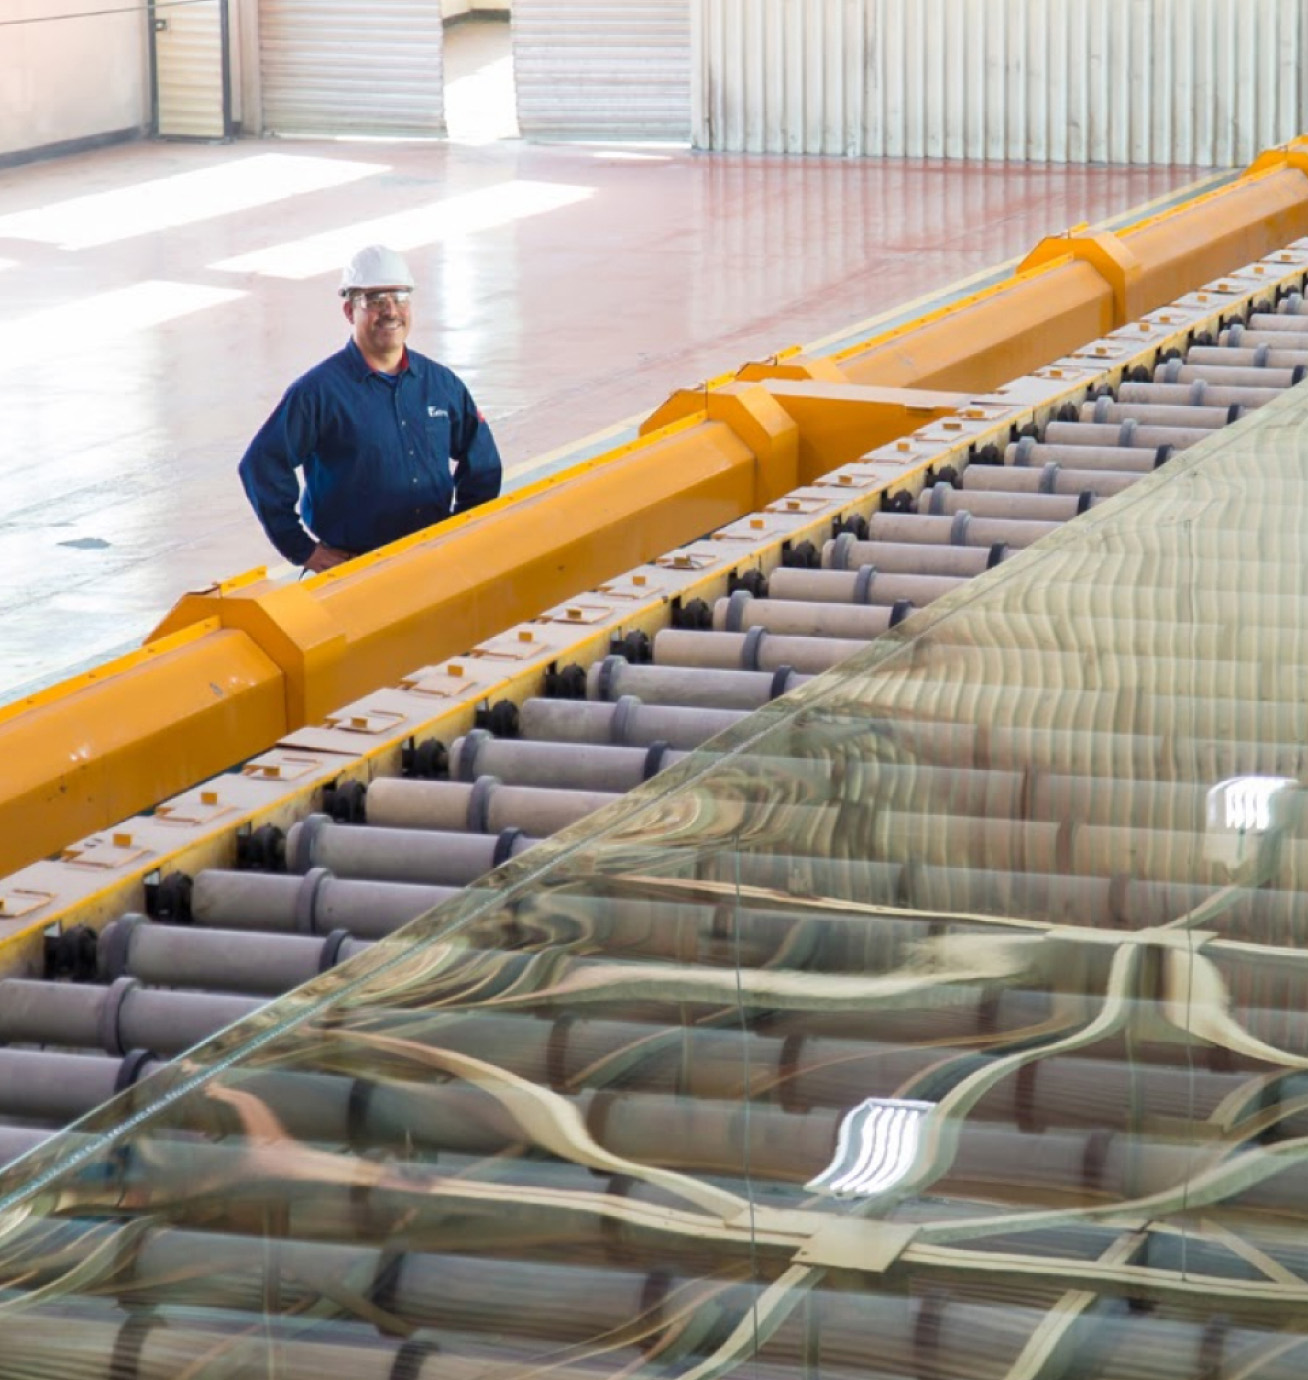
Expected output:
(876, 1148)
(1244, 814)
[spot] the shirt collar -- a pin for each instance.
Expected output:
(360, 366)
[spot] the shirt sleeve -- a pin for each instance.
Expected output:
(267, 471)
(475, 455)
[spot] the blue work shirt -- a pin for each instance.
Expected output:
(382, 456)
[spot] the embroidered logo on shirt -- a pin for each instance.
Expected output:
(437, 412)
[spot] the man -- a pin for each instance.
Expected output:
(376, 429)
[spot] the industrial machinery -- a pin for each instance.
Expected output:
(846, 926)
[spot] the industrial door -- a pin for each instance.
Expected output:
(341, 67)
(189, 62)
(603, 68)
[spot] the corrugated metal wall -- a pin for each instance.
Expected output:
(1080, 81)
(189, 70)
(603, 68)
(334, 66)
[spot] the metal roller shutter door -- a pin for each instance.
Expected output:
(190, 70)
(341, 67)
(1081, 81)
(603, 68)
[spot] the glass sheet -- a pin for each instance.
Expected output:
(927, 1024)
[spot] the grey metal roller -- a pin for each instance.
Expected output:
(315, 902)
(943, 500)
(1220, 606)
(117, 1018)
(1053, 478)
(847, 552)
(216, 960)
(1178, 371)
(867, 585)
(1250, 357)
(1197, 394)
(1186, 415)
(1118, 459)
(577, 766)
(1116, 709)
(756, 652)
(626, 722)
(565, 1303)
(54, 1088)
(54, 1344)
(740, 612)
(614, 677)
(1246, 338)
(1066, 670)
(1127, 433)
(1280, 321)
(431, 857)
(484, 806)
(963, 529)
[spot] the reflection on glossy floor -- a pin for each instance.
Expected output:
(160, 297)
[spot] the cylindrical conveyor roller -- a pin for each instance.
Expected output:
(1052, 479)
(1127, 433)
(867, 585)
(1252, 357)
(741, 611)
(1185, 415)
(484, 806)
(215, 960)
(55, 1088)
(430, 857)
(118, 1018)
(625, 723)
(1197, 394)
(1028, 452)
(945, 500)
(614, 677)
(313, 903)
(1231, 376)
(847, 552)
(963, 529)
(580, 767)
(754, 652)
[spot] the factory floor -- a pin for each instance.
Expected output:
(160, 296)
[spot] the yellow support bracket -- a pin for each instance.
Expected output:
(794, 366)
(763, 425)
(1291, 155)
(289, 623)
(838, 422)
(1108, 256)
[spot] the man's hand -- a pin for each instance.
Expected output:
(324, 557)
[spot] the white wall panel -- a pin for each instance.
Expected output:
(1080, 81)
(190, 71)
(603, 68)
(351, 66)
(67, 73)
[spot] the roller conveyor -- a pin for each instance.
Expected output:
(972, 871)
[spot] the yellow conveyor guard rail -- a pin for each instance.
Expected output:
(234, 668)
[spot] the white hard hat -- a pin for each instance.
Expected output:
(375, 267)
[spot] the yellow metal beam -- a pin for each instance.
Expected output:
(1055, 302)
(114, 741)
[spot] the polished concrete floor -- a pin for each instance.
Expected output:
(159, 297)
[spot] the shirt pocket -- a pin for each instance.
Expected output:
(436, 435)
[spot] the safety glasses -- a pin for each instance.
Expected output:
(373, 301)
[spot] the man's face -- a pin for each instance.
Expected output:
(380, 317)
